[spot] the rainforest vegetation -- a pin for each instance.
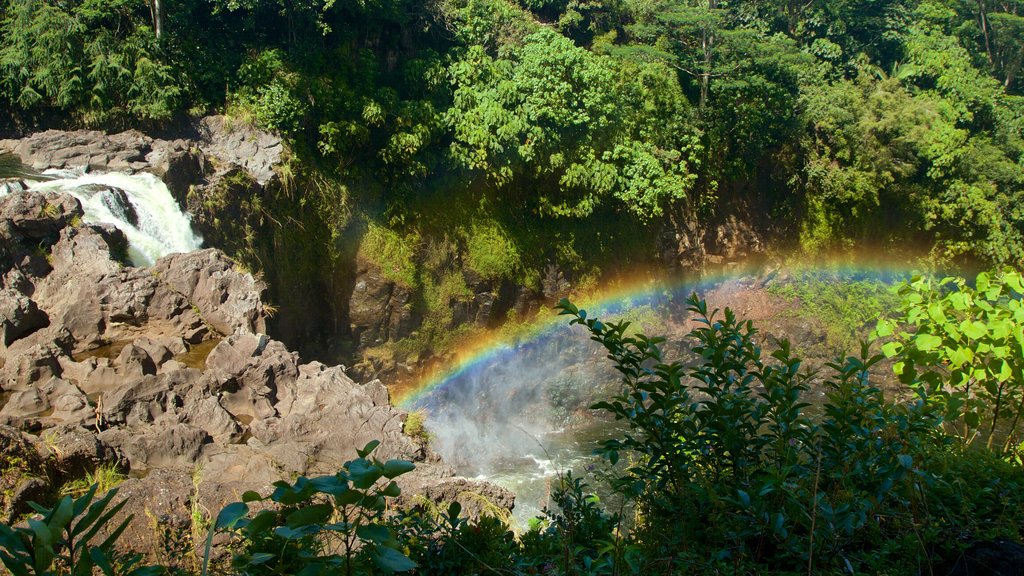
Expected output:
(551, 129)
(527, 138)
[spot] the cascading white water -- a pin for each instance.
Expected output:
(152, 221)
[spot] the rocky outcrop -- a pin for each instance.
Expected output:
(106, 362)
(379, 309)
(211, 145)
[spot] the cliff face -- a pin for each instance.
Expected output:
(165, 370)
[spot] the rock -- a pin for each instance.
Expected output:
(476, 497)
(30, 217)
(164, 445)
(159, 349)
(242, 145)
(73, 450)
(114, 200)
(19, 316)
(225, 299)
(35, 365)
(992, 558)
(179, 164)
(19, 469)
(134, 361)
(379, 309)
(88, 149)
(56, 400)
(12, 185)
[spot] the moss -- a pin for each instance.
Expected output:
(490, 251)
(847, 307)
(393, 253)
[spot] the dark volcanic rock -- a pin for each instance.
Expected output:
(991, 558)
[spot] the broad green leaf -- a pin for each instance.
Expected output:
(364, 473)
(374, 533)
(1005, 371)
(230, 515)
(391, 490)
(394, 468)
(927, 342)
(370, 447)
(314, 514)
(974, 330)
(960, 356)
(390, 560)
(891, 349)
(883, 328)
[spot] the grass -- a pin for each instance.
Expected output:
(105, 476)
(395, 254)
(415, 427)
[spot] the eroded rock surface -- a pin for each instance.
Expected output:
(167, 372)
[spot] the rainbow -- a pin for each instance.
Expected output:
(613, 299)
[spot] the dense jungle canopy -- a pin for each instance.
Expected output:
(843, 123)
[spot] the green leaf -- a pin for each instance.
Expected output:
(370, 447)
(394, 468)
(230, 515)
(905, 460)
(250, 496)
(1005, 372)
(974, 330)
(261, 523)
(391, 490)
(891, 349)
(315, 514)
(962, 355)
(883, 328)
(374, 533)
(390, 560)
(364, 473)
(260, 557)
(927, 342)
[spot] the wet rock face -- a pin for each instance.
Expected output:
(99, 358)
(379, 309)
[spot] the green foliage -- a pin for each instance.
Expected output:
(846, 307)
(490, 252)
(66, 535)
(394, 254)
(963, 346)
(728, 461)
(324, 525)
(105, 477)
(95, 60)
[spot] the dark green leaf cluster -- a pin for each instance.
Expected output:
(731, 463)
(75, 537)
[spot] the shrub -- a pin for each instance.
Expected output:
(962, 347)
(727, 464)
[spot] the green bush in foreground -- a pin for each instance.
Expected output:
(728, 466)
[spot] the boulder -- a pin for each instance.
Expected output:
(19, 316)
(30, 217)
(84, 149)
(241, 145)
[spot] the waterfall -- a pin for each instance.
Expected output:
(140, 205)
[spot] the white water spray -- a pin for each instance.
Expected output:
(152, 221)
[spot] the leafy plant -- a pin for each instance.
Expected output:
(322, 525)
(64, 536)
(962, 347)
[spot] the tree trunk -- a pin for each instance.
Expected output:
(157, 8)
